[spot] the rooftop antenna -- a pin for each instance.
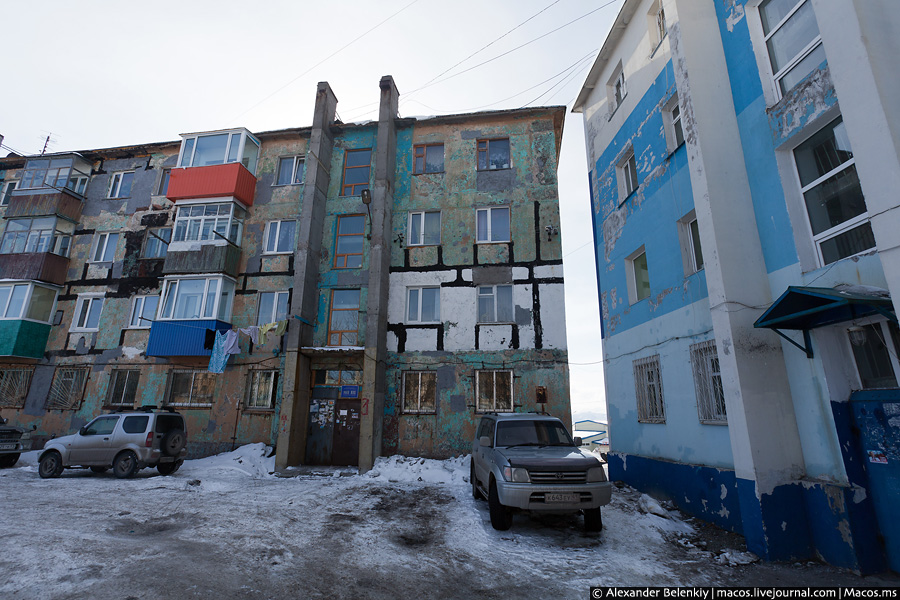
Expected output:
(47, 143)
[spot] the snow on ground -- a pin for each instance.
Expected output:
(226, 526)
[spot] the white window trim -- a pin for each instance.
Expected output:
(512, 391)
(669, 121)
(420, 215)
(277, 225)
(168, 281)
(252, 384)
(418, 410)
(494, 295)
(686, 241)
(299, 159)
(418, 318)
(618, 77)
(103, 238)
(115, 184)
(708, 411)
(647, 413)
(631, 275)
(187, 244)
(26, 303)
(142, 323)
(272, 317)
(191, 404)
(490, 233)
(623, 176)
(82, 298)
(657, 33)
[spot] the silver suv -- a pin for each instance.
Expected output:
(529, 461)
(125, 441)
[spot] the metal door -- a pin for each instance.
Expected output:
(877, 416)
(345, 447)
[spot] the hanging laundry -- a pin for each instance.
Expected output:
(264, 331)
(231, 342)
(280, 327)
(209, 339)
(252, 331)
(218, 359)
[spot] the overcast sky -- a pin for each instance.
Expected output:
(104, 74)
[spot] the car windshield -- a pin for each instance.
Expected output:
(532, 433)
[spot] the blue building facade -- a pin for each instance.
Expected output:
(741, 161)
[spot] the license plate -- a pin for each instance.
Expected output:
(7, 446)
(569, 498)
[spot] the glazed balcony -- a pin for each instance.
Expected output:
(214, 181)
(35, 266)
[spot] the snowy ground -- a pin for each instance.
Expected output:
(225, 527)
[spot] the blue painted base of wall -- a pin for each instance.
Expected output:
(703, 492)
(797, 521)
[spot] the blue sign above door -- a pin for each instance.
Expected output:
(349, 391)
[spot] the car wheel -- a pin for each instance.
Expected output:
(99, 469)
(8, 460)
(475, 491)
(50, 465)
(168, 468)
(592, 519)
(501, 516)
(172, 442)
(125, 465)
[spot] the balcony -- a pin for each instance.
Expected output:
(214, 181)
(202, 258)
(23, 204)
(24, 339)
(182, 338)
(35, 266)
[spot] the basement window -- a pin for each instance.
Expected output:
(219, 147)
(494, 391)
(67, 388)
(123, 385)
(261, 389)
(419, 392)
(648, 388)
(191, 388)
(14, 384)
(708, 383)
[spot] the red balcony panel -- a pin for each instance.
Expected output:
(44, 205)
(213, 181)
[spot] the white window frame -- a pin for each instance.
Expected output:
(253, 382)
(138, 306)
(494, 295)
(272, 318)
(419, 215)
(113, 379)
(299, 163)
(6, 191)
(233, 221)
(187, 152)
(627, 176)
(631, 275)
(708, 383)
(172, 283)
(115, 184)
(162, 186)
(277, 226)
(840, 228)
(616, 90)
(490, 233)
(78, 325)
(190, 403)
(656, 24)
(417, 409)
(15, 382)
(101, 247)
(67, 387)
(157, 241)
(420, 291)
(479, 375)
(651, 406)
(26, 301)
(688, 247)
(673, 122)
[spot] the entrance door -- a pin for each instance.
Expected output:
(345, 446)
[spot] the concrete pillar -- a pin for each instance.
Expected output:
(294, 414)
(372, 403)
(763, 430)
(862, 42)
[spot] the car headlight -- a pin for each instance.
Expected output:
(596, 474)
(26, 436)
(516, 475)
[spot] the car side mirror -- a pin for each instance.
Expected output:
(484, 441)
(578, 441)
(83, 430)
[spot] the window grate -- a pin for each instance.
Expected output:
(67, 388)
(648, 388)
(14, 385)
(708, 383)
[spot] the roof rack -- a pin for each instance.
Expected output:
(148, 407)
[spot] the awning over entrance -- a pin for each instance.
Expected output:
(805, 308)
